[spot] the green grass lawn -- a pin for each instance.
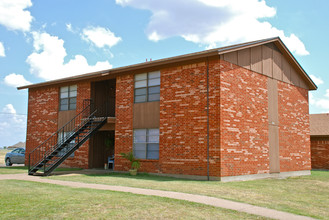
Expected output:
(306, 195)
(15, 170)
(30, 200)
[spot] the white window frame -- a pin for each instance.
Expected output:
(61, 139)
(147, 87)
(68, 98)
(146, 143)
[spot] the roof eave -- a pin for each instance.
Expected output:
(150, 64)
(311, 84)
(181, 58)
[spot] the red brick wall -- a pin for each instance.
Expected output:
(320, 152)
(214, 118)
(244, 121)
(294, 131)
(239, 143)
(81, 156)
(43, 109)
(42, 117)
(238, 122)
(124, 120)
(183, 120)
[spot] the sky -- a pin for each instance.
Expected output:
(42, 40)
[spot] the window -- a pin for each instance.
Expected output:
(61, 138)
(68, 98)
(15, 151)
(147, 87)
(146, 143)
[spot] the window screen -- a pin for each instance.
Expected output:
(146, 143)
(61, 139)
(147, 87)
(68, 98)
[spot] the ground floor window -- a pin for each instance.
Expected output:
(61, 138)
(146, 143)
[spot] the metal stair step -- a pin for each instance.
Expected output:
(83, 133)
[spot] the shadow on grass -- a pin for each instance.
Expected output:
(322, 175)
(14, 168)
(20, 169)
(139, 176)
(67, 169)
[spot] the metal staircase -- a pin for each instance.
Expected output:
(51, 153)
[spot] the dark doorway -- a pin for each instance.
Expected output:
(103, 96)
(101, 147)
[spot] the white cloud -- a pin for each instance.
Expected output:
(212, 22)
(9, 108)
(69, 27)
(327, 93)
(15, 80)
(316, 80)
(13, 14)
(47, 61)
(12, 126)
(311, 98)
(320, 103)
(100, 36)
(2, 50)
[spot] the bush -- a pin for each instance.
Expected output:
(135, 163)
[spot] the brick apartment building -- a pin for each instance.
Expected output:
(235, 112)
(319, 127)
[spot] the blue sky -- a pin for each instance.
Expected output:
(44, 39)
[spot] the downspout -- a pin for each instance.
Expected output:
(207, 119)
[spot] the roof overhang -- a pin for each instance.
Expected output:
(182, 58)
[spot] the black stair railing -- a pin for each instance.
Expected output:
(66, 148)
(61, 136)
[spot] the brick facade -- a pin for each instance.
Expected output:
(244, 121)
(124, 120)
(43, 107)
(81, 156)
(294, 129)
(214, 118)
(238, 122)
(42, 116)
(183, 120)
(238, 119)
(320, 152)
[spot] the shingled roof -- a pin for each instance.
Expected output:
(319, 124)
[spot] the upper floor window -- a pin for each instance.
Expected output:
(147, 87)
(68, 98)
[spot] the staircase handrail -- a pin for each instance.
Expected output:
(85, 111)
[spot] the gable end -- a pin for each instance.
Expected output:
(267, 60)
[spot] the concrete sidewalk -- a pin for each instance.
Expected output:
(207, 200)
